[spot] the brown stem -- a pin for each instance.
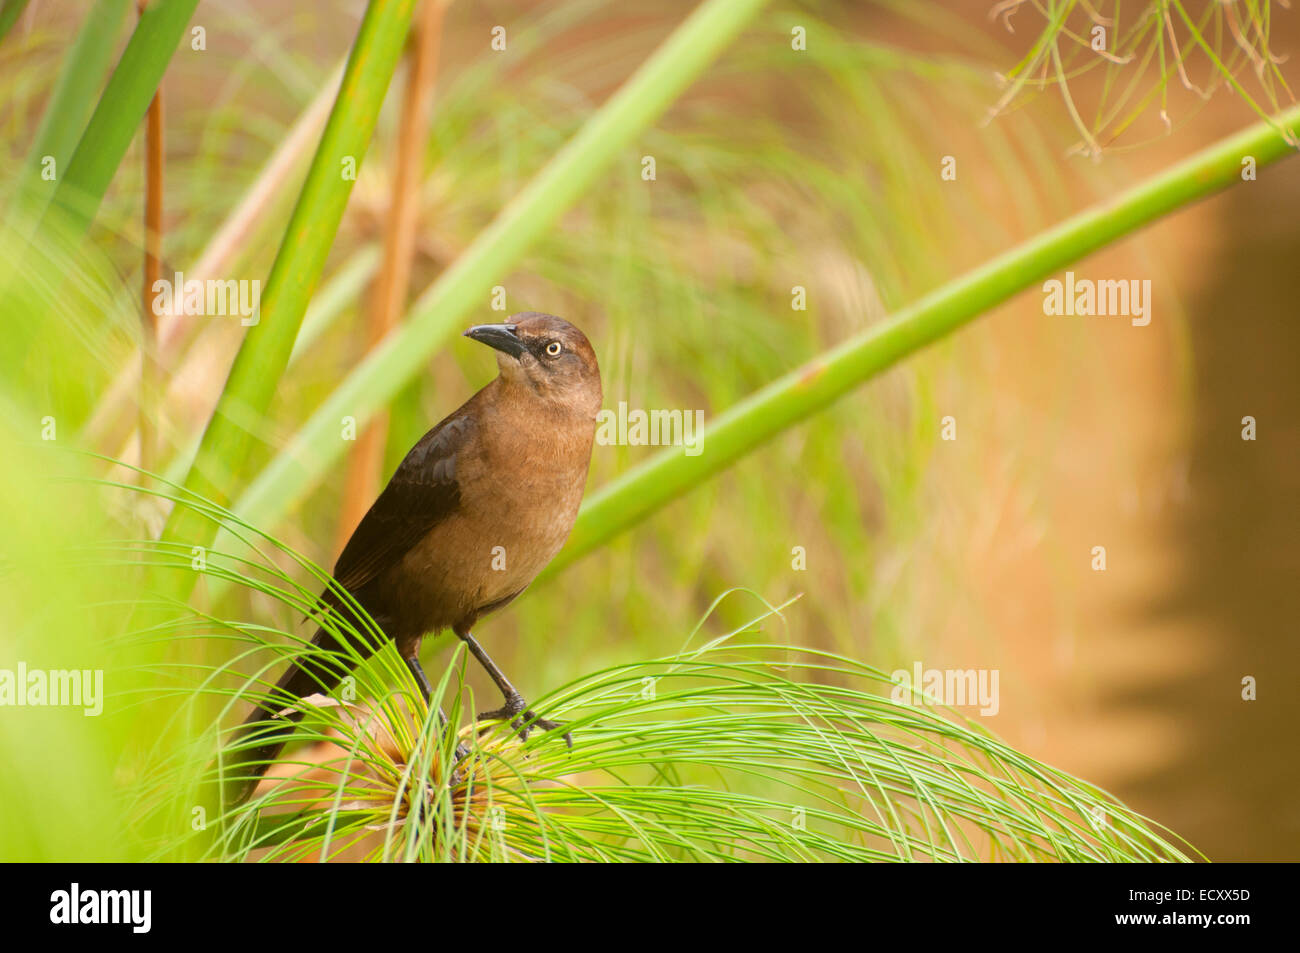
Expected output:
(150, 375)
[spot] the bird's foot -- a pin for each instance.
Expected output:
(456, 777)
(523, 719)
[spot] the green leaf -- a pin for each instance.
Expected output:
(10, 11)
(83, 72)
(121, 107)
(265, 351)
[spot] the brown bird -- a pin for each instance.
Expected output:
(473, 513)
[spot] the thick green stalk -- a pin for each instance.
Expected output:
(466, 284)
(802, 392)
(807, 389)
(121, 107)
(265, 350)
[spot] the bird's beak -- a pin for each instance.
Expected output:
(499, 336)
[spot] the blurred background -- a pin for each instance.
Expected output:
(818, 168)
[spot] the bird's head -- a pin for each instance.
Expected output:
(548, 355)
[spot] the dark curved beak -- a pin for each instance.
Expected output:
(499, 336)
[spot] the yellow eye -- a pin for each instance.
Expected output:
(554, 348)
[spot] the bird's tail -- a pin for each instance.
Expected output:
(269, 726)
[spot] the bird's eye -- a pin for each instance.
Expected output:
(554, 348)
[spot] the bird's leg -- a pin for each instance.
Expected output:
(422, 680)
(515, 710)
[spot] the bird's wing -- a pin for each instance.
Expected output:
(423, 491)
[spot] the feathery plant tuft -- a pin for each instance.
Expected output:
(1142, 48)
(736, 747)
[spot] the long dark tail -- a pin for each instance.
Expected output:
(265, 731)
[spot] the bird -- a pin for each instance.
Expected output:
(474, 511)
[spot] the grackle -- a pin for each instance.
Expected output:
(472, 514)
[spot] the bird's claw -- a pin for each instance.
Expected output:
(523, 719)
(529, 720)
(457, 775)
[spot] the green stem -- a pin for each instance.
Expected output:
(807, 389)
(265, 351)
(466, 284)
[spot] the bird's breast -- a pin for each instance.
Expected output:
(518, 502)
